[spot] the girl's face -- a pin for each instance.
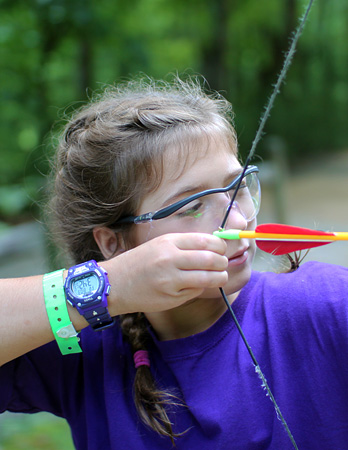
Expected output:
(209, 167)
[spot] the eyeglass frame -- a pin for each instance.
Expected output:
(168, 210)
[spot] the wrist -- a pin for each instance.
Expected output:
(119, 299)
(87, 288)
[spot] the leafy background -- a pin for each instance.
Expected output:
(55, 53)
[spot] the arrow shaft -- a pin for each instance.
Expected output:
(339, 236)
(271, 236)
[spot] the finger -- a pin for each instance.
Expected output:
(200, 241)
(201, 260)
(202, 279)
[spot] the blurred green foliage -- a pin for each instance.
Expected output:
(34, 432)
(53, 53)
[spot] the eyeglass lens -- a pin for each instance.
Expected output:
(206, 213)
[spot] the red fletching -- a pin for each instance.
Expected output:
(283, 247)
(280, 228)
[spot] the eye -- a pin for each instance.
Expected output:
(244, 183)
(195, 211)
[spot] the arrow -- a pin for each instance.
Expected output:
(280, 239)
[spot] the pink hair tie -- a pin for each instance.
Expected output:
(141, 358)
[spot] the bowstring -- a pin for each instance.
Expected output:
(276, 89)
(260, 373)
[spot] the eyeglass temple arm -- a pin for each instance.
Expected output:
(165, 212)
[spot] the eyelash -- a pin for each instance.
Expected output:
(192, 211)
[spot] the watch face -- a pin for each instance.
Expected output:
(85, 286)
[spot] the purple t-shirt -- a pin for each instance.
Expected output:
(297, 326)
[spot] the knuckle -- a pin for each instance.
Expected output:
(210, 242)
(165, 285)
(220, 245)
(213, 279)
(205, 279)
(213, 261)
(224, 278)
(164, 240)
(202, 241)
(225, 263)
(208, 259)
(163, 259)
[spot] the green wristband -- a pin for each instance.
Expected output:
(58, 316)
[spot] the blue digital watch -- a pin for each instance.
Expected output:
(86, 288)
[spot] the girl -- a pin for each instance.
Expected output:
(142, 178)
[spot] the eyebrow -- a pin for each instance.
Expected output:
(189, 190)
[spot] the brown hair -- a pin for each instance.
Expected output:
(108, 158)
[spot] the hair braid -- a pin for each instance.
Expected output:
(150, 401)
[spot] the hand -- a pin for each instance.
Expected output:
(166, 272)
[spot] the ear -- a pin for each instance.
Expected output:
(109, 243)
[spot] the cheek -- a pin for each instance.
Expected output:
(144, 232)
(252, 242)
(252, 249)
(138, 235)
(252, 225)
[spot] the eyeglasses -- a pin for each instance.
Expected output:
(210, 203)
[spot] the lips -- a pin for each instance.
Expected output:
(239, 257)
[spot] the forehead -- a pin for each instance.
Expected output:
(199, 164)
(194, 151)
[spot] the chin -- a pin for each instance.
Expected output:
(237, 282)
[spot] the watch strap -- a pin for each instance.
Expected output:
(95, 311)
(58, 316)
(99, 318)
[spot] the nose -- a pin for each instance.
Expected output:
(236, 218)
